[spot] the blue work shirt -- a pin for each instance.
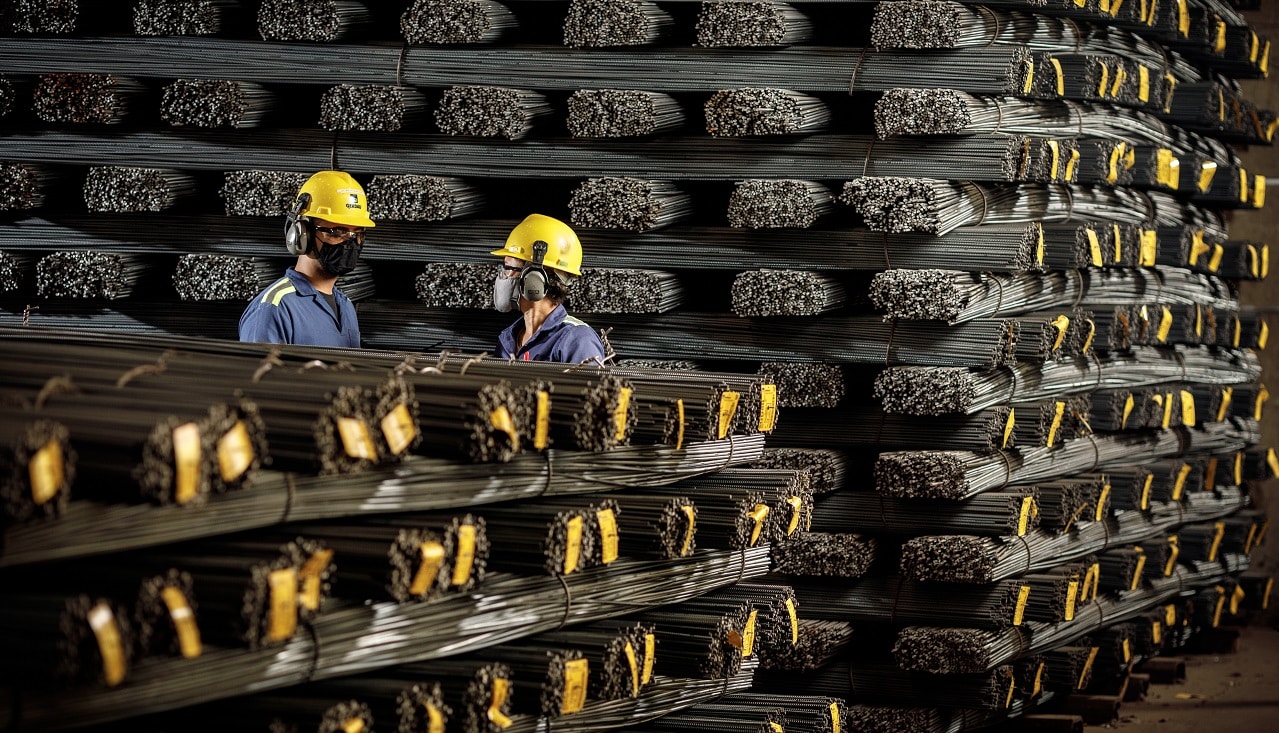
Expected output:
(291, 311)
(561, 338)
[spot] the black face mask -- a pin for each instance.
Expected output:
(338, 259)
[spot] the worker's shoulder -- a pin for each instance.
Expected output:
(575, 321)
(275, 293)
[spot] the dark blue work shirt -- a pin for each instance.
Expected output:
(291, 311)
(561, 338)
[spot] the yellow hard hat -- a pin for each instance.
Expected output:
(563, 250)
(336, 197)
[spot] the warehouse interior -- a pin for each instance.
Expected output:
(932, 393)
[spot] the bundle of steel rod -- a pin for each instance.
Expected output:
(372, 108)
(821, 643)
(621, 113)
(456, 285)
(991, 429)
(472, 417)
(805, 384)
(64, 637)
(546, 682)
(936, 24)
(452, 22)
(321, 709)
(805, 712)
(1013, 512)
(214, 103)
(773, 609)
(825, 468)
(602, 290)
(678, 406)
(484, 111)
(1245, 260)
(260, 193)
(939, 390)
(873, 599)
(164, 615)
(218, 277)
(656, 526)
(1066, 502)
(726, 519)
(126, 190)
(37, 466)
(723, 716)
(612, 23)
(422, 198)
(101, 99)
(23, 186)
(14, 272)
(88, 274)
(785, 492)
(786, 293)
(937, 207)
(881, 683)
(1060, 594)
(184, 17)
(764, 111)
(708, 641)
(601, 523)
(538, 538)
(1068, 668)
(751, 25)
(621, 655)
(479, 693)
(1259, 463)
(1122, 568)
(674, 365)
(323, 21)
(778, 204)
(632, 204)
(825, 554)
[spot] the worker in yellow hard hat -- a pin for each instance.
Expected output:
(541, 259)
(325, 229)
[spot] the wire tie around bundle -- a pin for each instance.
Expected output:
(1096, 452)
(1100, 368)
(568, 602)
(290, 491)
(1151, 209)
(270, 361)
(888, 346)
(870, 148)
(1079, 36)
(60, 384)
(1012, 370)
(1181, 361)
(1070, 203)
(26, 314)
(154, 368)
(1008, 469)
(473, 360)
(999, 284)
(1025, 545)
(399, 65)
(741, 566)
(897, 594)
(999, 110)
(314, 664)
(333, 153)
(852, 81)
(550, 473)
(887, 260)
(729, 460)
(993, 16)
(985, 205)
(1079, 292)
(1106, 527)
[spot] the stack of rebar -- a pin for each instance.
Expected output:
(481, 111)
(761, 204)
(88, 274)
(456, 285)
(607, 23)
(753, 112)
(183, 17)
(451, 22)
(786, 293)
(632, 204)
(260, 192)
(372, 108)
(422, 198)
(217, 277)
(123, 190)
(95, 99)
(214, 103)
(22, 186)
(751, 24)
(323, 21)
(607, 113)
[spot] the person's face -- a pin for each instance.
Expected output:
(327, 232)
(512, 266)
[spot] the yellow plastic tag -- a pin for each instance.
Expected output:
(1167, 404)
(758, 515)
(434, 718)
(501, 689)
(1060, 76)
(1238, 468)
(573, 548)
(1219, 531)
(608, 535)
(1258, 191)
(1170, 615)
(794, 620)
(1252, 535)
(1009, 424)
(44, 469)
(464, 560)
(1264, 336)
(1183, 19)
(679, 435)
(1127, 647)
(727, 409)
(1055, 147)
(1149, 250)
(1235, 599)
(428, 569)
(1238, 331)
(650, 657)
(1081, 3)
(1254, 47)
(1143, 83)
(1199, 320)
(1028, 510)
(353, 725)
(1058, 409)
(1062, 324)
(310, 576)
(1210, 474)
(1083, 673)
(1221, 604)
(500, 419)
(399, 429)
(1156, 632)
(1105, 79)
(796, 510)
(235, 452)
(1168, 168)
(1039, 243)
(355, 438)
(1136, 575)
(1214, 262)
(1012, 688)
(775, 727)
(1187, 408)
(183, 622)
(621, 412)
(542, 421)
(748, 635)
(1039, 681)
(690, 527)
(631, 660)
(1263, 396)
(834, 717)
(1092, 582)
(1102, 499)
(1172, 87)
(1165, 324)
(110, 646)
(576, 673)
(1118, 240)
(1175, 544)
(1116, 155)
(767, 407)
(1243, 182)
(1264, 64)
(1179, 484)
(1094, 248)
(1219, 43)
(1104, 5)
(1030, 76)
(1272, 460)
(1072, 596)
(1121, 75)
(1254, 260)
(282, 618)
(1129, 403)
(1207, 170)
(1145, 491)
(1019, 612)
(1071, 162)
(186, 462)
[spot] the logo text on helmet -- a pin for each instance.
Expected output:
(354, 202)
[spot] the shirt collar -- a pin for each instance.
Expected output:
(304, 286)
(509, 336)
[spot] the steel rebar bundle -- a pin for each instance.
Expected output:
(215, 103)
(542, 538)
(726, 519)
(881, 683)
(621, 113)
(217, 277)
(777, 204)
(66, 637)
(422, 198)
(37, 466)
(622, 655)
(1012, 512)
(805, 384)
(709, 640)
(751, 24)
(874, 599)
(940, 390)
(118, 189)
(8, 95)
(23, 186)
(260, 193)
(996, 428)
(825, 468)
(323, 21)
(632, 204)
(603, 290)
(786, 293)
(1065, 502)
(164, 616)
(487, 111)
(85, 98)
(613, 23)
(183, 17)
(656, 526)
(43, 16)
(86, 274)
(451, 22)
(14, 272)
(825, 554)
(764, 111)
(372, 108)
(936, 24)
(544, 682)
(456, 285)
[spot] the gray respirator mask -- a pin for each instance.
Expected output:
(531, 285)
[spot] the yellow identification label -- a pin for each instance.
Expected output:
(1175, 549)
(1272, 460)
(1258, 191)
(464, 561)
(1121, 75)
(1210, 474)
(1061, 324)
(1104, 82)
(1187, 408)
(748, 635)
(1167, 405)
(679, 434)
(1227, 395)
(1059, 75)
(1028, 510)
(398, 429)
(1252, 535)
(1055, 147)
(1143, 83)
(1030, 76)
(1145, 491)
(1118, 240)
(1170, 615)
(110, 646)
(1183, 18)
(1207, 170)
(1102, 499)
(608, 535)
(633, 662)
(727, 409)
(1136, 573)
(621, 412)
(1094, 248)
(794, 620)
(1198, 248)
(1167, 168)
(310, 576)
(757, 515)
(1059, 409)
(186, 462)
(573, 545)
(796, 512)
(1219, 531)
(690, 528)
(1172, 87)
(45, 471)
(834, 717)
(434, 719)
(542, 421)
(501, 690)
(650, 657)
(1236, 597)
(1179, 484)
(1149, 248)
(1264, 335)
(1238, 468)
(1129, 403)
(1039, 243)
(1116, 155)
(576, 674)
(1019, 612)
(1214, 262)
(1009, 424)
(1243, 174)
(353, 725)
(1263, 396)
(235, 452)
(428, 568)
(1219, 41)
(1071, 162)
(500, 420)
(1127, 649)
(767, 407)
(183, 618)
(1238, 331)
(356, 440)
(1092, 582)
(1165, 324)
(1072, 597)
(282, 616)
(1039, 681)
(775, 727)
(1083, 673)
(1157, 632)
(1221, 605)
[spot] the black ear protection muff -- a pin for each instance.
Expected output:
(298, 232)
(533, 281)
